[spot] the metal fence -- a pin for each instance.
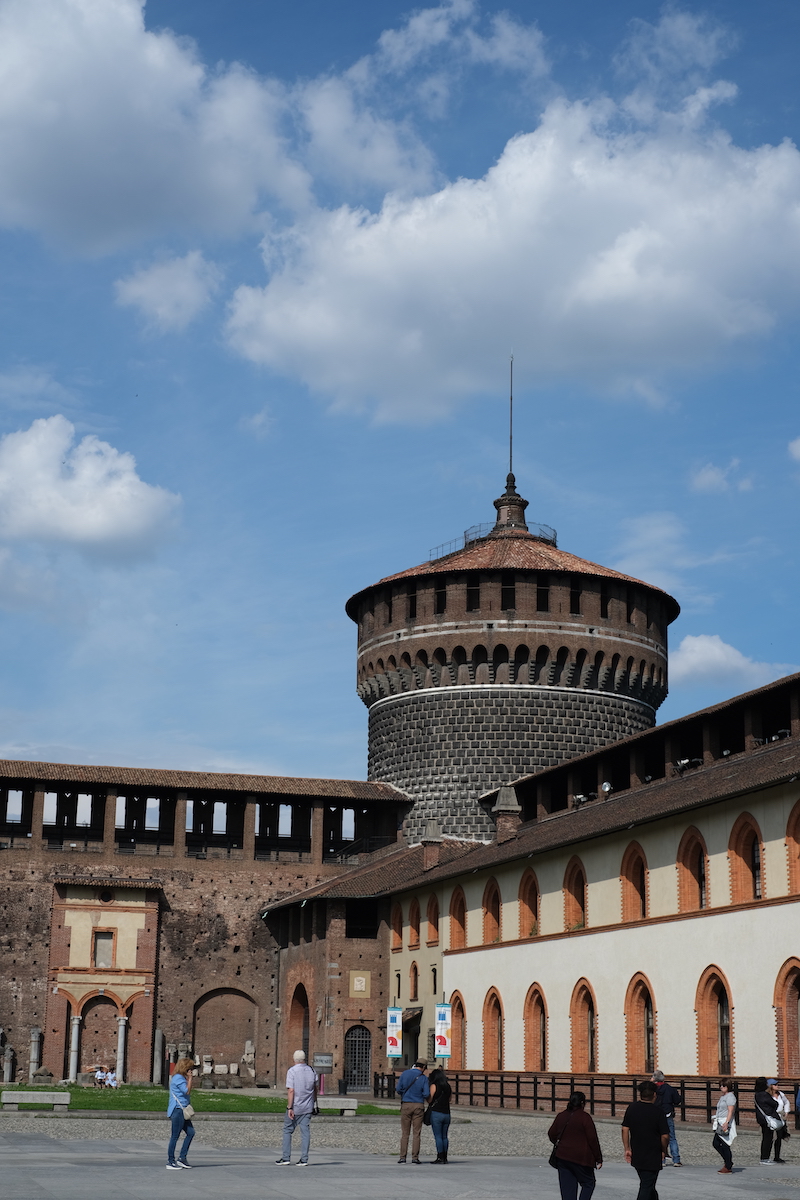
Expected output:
(606, 1095)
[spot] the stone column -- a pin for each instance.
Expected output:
(37, 820)
(317, 832)
(8, 1065)
(74, 1041)
(35, 1056)
(121, 1023)
(110, 824)
(158, 1056)
(180, 825)
(249, 837)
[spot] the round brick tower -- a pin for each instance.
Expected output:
(499, 656)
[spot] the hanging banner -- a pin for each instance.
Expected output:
(443, 1030)
(394, 1032)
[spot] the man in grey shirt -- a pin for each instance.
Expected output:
(301, 1099)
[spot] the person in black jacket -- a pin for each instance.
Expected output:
(439, 1108)
(667, 1099)
(766, 1106)
(577, 1149)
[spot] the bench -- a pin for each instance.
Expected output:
(345, 1105)
(12, 1100)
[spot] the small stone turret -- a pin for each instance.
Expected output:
(502, 656)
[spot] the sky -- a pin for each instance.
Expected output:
(262, 267)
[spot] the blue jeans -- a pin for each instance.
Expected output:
(674, 1151)
(440, 1123)
(179, 1125)
(301, 1121)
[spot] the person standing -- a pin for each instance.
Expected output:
(667, 1099)
(766, 1107)
(413, 1089)
(725, 1126)
(578, 1150)
(645, 1135)
(180, 1087)
(783, 1112)
(301, 1099)
(439, 1108)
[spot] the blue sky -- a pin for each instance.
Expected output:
(262, 269)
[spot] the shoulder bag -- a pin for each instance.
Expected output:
(773, 1122)
(188, 1112)
(553, 1159)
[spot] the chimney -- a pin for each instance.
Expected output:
(431, 844)
(507, 814)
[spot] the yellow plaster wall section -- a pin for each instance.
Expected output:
(83, 922)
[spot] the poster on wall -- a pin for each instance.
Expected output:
(394, 1032)
(443, 1030)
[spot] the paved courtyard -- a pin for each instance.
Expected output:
(93, 1159)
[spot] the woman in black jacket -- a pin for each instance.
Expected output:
(577, 1149)
(439, 1108)
(766, 1106)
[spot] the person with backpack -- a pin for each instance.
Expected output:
(667, 1099)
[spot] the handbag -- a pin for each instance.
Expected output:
(772, 1122)
(188, 1112)
(426, 1116)
(553, 1159)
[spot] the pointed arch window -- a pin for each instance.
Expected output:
(692, 862)
(528, 906)
(491, 913)
(458, 920)
(633, 876)
(397, 927)
(575, 896)
(413, 923)
(746, 860)
(433, 921)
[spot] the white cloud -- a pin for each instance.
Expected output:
(171, 294)
(710, 478)
(85, 495)
(794, 449)
(29, 387)
(705, 659)
(258, 425)
(109, 132)
(596, 252)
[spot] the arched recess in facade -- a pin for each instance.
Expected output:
(493, 1031)
(746, 854)
(358, 1058)
(99, 1031)
(535, 1028)
(528, 905)
(793, 848)
(633, 877)
(640, 1027)
(714, 1010)
(299, 1027)
(458, 1032)
(224, 1020)
(583, 1028)
(458, 920)
(787, 1017)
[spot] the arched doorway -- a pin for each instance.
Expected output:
(99, 1032)
(299, 1021)
(358, 1059)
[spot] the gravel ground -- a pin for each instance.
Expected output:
(480, 1134)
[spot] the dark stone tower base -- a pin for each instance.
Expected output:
(445, 747)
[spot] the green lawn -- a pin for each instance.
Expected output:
(154, 1099)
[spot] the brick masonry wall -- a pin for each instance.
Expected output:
(449, 746)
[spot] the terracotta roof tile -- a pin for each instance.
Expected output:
(147, 777)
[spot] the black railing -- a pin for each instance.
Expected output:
(607, 1095)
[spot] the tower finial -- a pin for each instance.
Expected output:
(511, 418)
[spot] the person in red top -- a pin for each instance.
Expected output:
(577, 1149)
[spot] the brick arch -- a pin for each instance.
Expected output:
(583, 1028)
(225, 1018)
(98, 1032)
(576, 907)
(458, 920)
(640, 1027)
(528, 905)
(562, 658)
(492, 913)
(458, 1031)
(711, 990)
(634, 883)
(786, 1002)
(413, 923)
(692, 865)
(493, 1031)
(433, 920)
(535, 1029)
(746, 860)
(540, 664)
(793, 848)
(397, 927)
